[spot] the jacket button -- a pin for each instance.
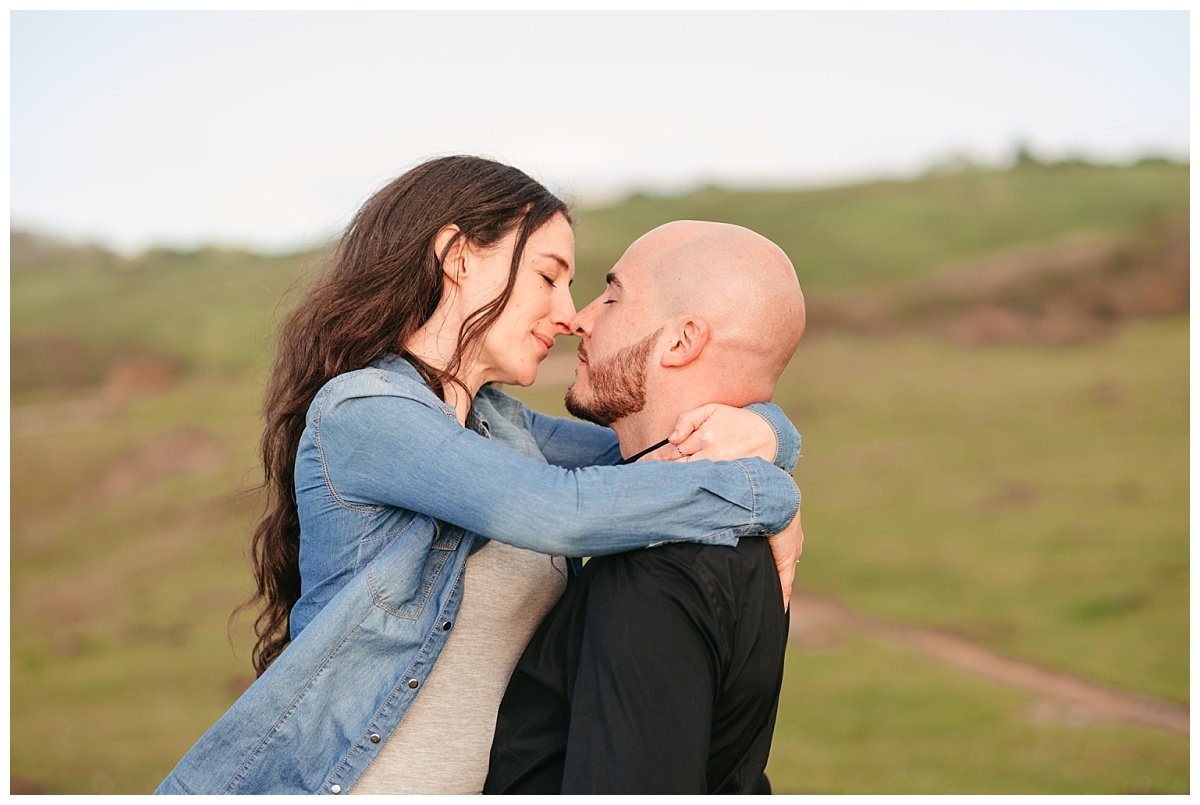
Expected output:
(335, 789)
(375, 737)
(412, 683)
(446, 626)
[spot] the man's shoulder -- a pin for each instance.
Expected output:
(687, 558)
(709, 574)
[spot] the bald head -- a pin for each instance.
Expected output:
(739, 282)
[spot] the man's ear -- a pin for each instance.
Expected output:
(687, 342)
(449, 246)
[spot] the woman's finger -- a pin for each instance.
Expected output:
(691, 421)
(698, 445)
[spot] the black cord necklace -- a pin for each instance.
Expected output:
(636, 456)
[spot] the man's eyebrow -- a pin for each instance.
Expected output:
(612, 279)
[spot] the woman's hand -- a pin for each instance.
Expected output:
(720, 432)
(786, 547)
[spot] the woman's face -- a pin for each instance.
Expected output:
(539, 309)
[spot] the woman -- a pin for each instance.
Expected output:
(452, 277)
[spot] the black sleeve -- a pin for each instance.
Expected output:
(642, 700)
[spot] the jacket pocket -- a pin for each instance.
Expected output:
(405, 575)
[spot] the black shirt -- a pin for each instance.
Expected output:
(657, 672)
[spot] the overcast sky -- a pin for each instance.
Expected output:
(269, 129)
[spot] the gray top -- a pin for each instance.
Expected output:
(442, 745)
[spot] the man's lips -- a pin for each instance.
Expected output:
(581, 353)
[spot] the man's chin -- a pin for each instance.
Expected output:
(576, 407)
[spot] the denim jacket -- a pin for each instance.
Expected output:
(393, 495)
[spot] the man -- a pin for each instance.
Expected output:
(659, 670)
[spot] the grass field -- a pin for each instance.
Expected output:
(868, 718)
(1030, 500)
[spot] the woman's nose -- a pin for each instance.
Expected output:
(563, 313)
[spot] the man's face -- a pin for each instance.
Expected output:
(610, 378)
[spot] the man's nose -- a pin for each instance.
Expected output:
(581, 324)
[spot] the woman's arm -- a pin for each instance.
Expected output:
(400, 451)
(572, 443)
(716, 432)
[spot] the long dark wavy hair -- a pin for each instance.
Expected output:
(383, 282)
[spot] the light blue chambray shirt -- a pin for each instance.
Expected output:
(393, 495)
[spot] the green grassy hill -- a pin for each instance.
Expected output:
(216, 310)
(885, 233)
(994, 399)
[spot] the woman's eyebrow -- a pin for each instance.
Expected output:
(556, 258)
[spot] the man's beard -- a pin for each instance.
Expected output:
(618, 385)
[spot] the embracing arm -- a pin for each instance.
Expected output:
(714, 431)
(399, 451)
(572, 443)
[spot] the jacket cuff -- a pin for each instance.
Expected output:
(776, 497)
(787, 438)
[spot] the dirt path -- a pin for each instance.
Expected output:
(817, 619)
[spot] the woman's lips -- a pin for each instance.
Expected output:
(545, 343)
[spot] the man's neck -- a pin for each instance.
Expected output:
(635, 433)
(658, 416)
